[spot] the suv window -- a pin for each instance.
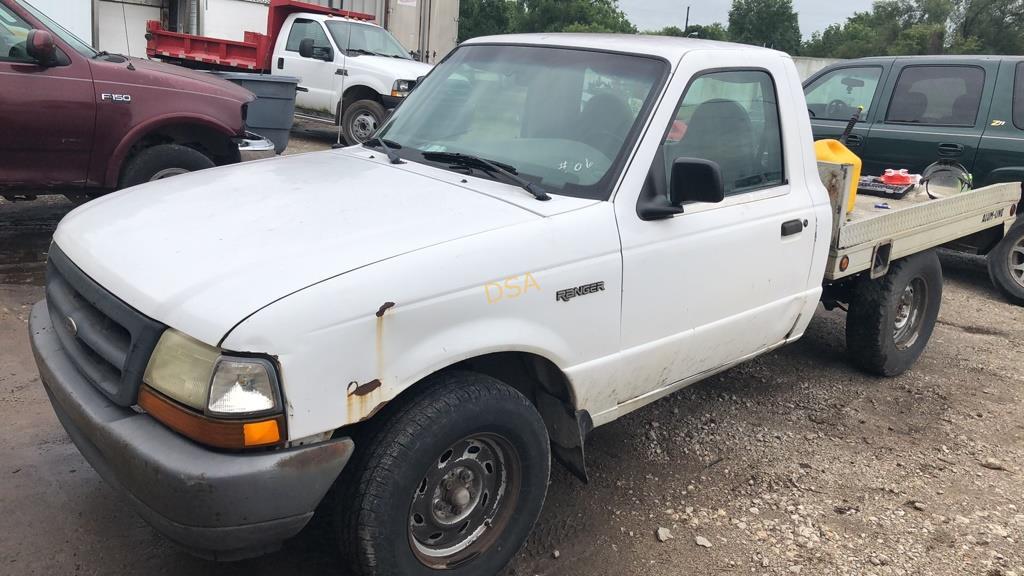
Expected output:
(837, 94)
(1018, 97)
(302, 29)
(937, 95)
(13, 36)
(731, 118)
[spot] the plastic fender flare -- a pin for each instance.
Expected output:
(138, 132)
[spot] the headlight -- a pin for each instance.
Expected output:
(242, 386)
(235, 401)
(402, 88)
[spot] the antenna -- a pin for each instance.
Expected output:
(127, 40)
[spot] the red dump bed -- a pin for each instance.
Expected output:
(253, 53)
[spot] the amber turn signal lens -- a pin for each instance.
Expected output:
(844, 263)
(232, 434)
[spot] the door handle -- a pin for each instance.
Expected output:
(854, 141)
(280, 63)
(950, 150)
(792, 227)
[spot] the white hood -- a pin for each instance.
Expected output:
(201, 252)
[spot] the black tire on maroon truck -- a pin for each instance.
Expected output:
(1006, 264)
(163, 161)
(452, 481)
(361, 119)
(892, 318)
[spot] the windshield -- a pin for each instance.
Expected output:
(563, 118)
(70, 39)
(366, 38)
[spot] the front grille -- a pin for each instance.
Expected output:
(107, 340)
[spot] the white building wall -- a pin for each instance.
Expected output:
(75, 15)
(230, 19)
(122, 27)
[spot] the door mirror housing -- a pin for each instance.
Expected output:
(40, 47)
(325, 53)
(306, 47)
(695, 180)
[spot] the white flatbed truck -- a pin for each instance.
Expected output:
(550, 232)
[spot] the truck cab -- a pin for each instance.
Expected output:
(351, 71)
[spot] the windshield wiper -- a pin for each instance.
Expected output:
(470, 161)
(388, 146)
(364, 51)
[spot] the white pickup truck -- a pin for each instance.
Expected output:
(552, 231)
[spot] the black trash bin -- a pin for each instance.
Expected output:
(272, 112)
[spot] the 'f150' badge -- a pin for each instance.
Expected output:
(570, 293)
(121, 98)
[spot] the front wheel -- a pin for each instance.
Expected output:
(1006, 264)
(360, 120)
(163, 161)
(892, 318)
(453, 482)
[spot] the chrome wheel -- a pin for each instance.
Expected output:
(168, 173)
(363, 126)
(909, 313)
(1016, 263)
(465, 500)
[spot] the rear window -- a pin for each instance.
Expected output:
(1018, 97)
(937, 95)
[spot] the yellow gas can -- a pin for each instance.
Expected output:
(834, 151)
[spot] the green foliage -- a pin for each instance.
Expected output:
(713, 31)
(898, 27)
(485, 17)
(771, 23)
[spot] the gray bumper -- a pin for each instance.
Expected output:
(217, 505)
(255, 147)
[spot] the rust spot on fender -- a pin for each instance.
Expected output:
(364, 389)
(384, 308)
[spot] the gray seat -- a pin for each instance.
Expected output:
(720, 131)
(909, 108)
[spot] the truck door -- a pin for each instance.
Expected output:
(1001, 152)
(835, 96)
(719, 282)
(935, 111)
(318, 75)
(47, 114)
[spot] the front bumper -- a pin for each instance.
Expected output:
(218, 505)
(254, 147)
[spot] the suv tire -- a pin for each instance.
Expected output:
(453, 480)
(163, 161)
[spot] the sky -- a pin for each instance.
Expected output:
(815, 15)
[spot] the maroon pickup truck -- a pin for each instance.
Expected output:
(79, 122)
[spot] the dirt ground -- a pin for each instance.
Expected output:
(791, 464)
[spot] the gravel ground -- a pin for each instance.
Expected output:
(791, 464)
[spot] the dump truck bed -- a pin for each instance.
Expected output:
(869, 236)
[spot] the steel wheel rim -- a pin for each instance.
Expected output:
(168, 173)
(1016, 262)
(910, 313)
(464, 501)
(364, 126)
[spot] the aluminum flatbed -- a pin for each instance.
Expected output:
(869, 237)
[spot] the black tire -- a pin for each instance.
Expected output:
(885, 334)
(161, 162)
(378, 516)
(1006, 264)
(361, 119)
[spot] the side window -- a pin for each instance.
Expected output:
(1018, 97)
(731, 118)
(302, 29)
(13, 36)
(838, 94)
(937, 95)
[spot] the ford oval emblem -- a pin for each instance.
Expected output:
(69, 323)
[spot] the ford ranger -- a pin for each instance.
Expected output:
(551, 232)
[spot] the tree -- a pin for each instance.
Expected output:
(710, 32)
(484, 18)
(771, 23)
(571, 15)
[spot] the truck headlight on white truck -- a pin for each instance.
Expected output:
(402, 88)
(226, 394)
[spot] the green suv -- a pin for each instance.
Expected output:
(920, 109)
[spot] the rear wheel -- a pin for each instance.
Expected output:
(1006, 264)
(360, 120)
(892, 318)
(452, 482)
(163, 161)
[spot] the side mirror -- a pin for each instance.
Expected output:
(695, 180)
(306, 47)
(323, 53)
(40, 47)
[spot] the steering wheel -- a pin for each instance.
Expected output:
(836, 109)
